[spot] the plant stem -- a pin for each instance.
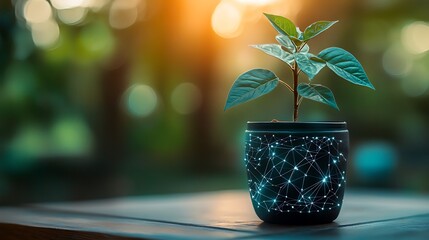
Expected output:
(295, 92)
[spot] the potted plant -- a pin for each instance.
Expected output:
(297, 170)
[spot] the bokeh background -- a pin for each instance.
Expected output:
(102, 98)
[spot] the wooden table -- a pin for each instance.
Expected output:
(212, 215)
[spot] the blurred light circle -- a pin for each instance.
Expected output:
(37, 11)
(141, 100)
(226, 20)
(396, 62)
(45, 34)
(70, 136)
(72, 16)
(97, 40)
(95, 5)
(66, 4)
(415, 85)
(375, 160)
(186, 98)
(415, 37)
(123, 14)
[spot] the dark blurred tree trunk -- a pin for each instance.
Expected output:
(110, 133)
(195, 53)
(204, 149)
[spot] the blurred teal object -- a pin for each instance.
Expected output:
(375, 161)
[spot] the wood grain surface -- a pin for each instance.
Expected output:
(212, 215)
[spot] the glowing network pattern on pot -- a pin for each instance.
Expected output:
(295, 173)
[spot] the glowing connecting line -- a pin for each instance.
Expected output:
(295, 174)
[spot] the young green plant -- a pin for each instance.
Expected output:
(293, 49)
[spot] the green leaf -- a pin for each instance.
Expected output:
(286, 42)
(318, 93)
(297, 41)
(250, 85)
(345, 65)
(276, 51)
(282, 25)
(316, 28)
(310, 67)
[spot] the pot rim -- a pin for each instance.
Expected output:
(296, 126)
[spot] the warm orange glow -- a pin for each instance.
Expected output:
(226, 20)
(230, 17)
(256, 2)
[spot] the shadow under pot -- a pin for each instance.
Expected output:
(296, 171)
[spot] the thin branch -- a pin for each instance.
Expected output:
(302, 46)
(300, 100)
(286, 85)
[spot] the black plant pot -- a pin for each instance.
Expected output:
(296, 171)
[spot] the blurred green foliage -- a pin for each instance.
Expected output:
(67, 132)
